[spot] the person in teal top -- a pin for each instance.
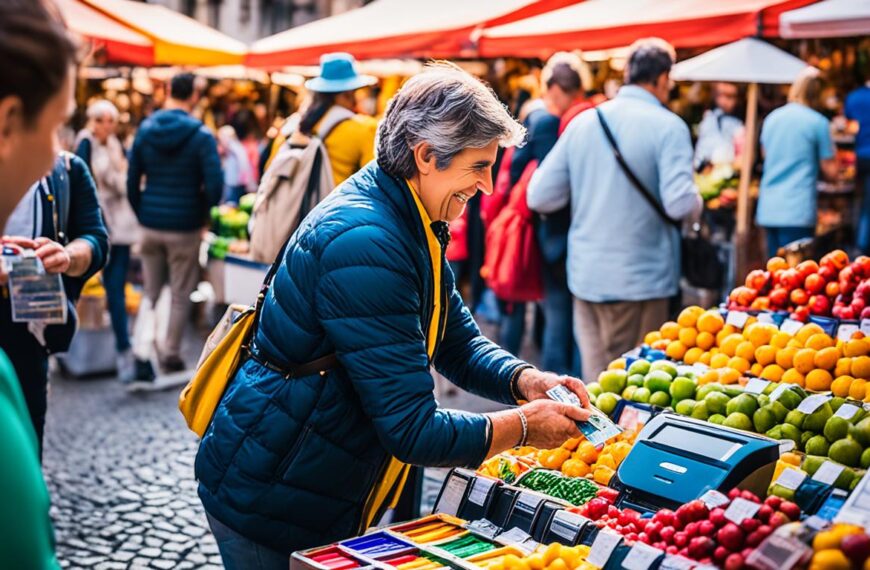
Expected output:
(796, 143)
(36, 56)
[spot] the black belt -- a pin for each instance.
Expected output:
(320, 365)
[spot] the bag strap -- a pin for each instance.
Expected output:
(635, 181)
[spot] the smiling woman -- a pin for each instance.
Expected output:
(363, 296)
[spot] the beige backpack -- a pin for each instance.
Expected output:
(299, 177)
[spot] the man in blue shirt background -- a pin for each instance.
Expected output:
(623, 259)
(858, 109)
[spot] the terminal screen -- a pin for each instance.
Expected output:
(696, 442)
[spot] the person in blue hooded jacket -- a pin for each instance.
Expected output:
(179, 159)
(312, 440)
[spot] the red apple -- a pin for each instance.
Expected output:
(672, 550)
(667, 534)
(820, 305)
(801, 314)
(832, 289)
(706, 528)
(848, 274)
(791, 510)
(756, 279)
(664, 516)
(734, 562)
(720, 554)
(777, 520)
(778, 297)
(642, 536)
(799, 297)
(730, 536)
(750, 525)
(807, 268)
(773, 502)
(681, 539)
(846, 313)
(764, 513)
(856, 547)
(790, 279)
(717, 517)
(864, 262)
(829, 273)
(814, 284)
(837, 259)
(692, 529)
(701, 546)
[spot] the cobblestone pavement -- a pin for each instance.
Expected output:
(119, 468)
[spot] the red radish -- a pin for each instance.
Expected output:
(754, 538)
(733, 493)
(717, 517)
(791, 510)
(692, 529)
(750, 525)
(700, 546)
(730, 536)
(661, 545)
(653, 528)
(681, 539)
(764, 513)
(672, 550)
(643, 538)
(667, 534)
(777, 520)
(614, 512)
(720, 554)
(631, 537)
(734, 562)
(773, 502)
(764, 530)
(664, 516)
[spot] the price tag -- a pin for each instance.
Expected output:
(672, 562)
(741, 509)
(756, 386)
(513, 536)
(737, 319)
(641, 557)
(452, 495)
(603, 546)
(845, 331)
(778, 553)
(567, 525)
(483, 528)
(714, 498)
(766, 318)
(828, 472)
(813, 403)
(791, 326)
(816, 523)
(865, 326)
(780, 390)
(786, 445)
(847, 411)
(480, 490)
(790, 479)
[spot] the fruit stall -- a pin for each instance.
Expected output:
(742, 440)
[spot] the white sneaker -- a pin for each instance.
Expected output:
(126, 364)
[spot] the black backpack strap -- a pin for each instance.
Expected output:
(59, 188)
(635, 181)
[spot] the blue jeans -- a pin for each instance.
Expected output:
(512, 326)
(862, 238)
(240, 553)
(778, 237)
(559, 352)
(114, 281)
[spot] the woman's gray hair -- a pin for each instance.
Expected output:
(100, 108)
(447, 108)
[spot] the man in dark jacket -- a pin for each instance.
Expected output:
(60, 219)
(179, 159)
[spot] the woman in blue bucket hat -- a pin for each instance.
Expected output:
(349, 137)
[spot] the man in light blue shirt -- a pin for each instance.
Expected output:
(623, 259)
(796, 142)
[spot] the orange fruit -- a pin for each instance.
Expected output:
(772, 372)
(785, 357)
(651, 337)
(729, 376)
(710, 321)
(856, 347)
(660, 344)
(794, 343)
(675, 350)
(756, 369)
(760, 334)
(780, 339)
(689, 316)
(807, 331)
(843, 368)
(693, 355)
(708, 377)
(719, 360)
(586, 452)
(819, 341)
(746, 351)
(791, 377)
(688, 337)
(861, 367)
(804, 360)
(727, 331)
(765, 355)
(819, 380)
(840, 386)
(618, 364)
(739, 364)
(827, 358)
(670, 330)
(858, 389)
(705, 358)
(705, 340)
(729, 346)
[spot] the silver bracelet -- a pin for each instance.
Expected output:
(525, 437)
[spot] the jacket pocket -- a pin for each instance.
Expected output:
(287, 461)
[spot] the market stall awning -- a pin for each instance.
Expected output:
(178, 40)
(395, 28)
(746, 61)
(120, 43)
(601, 24)
(827, 19)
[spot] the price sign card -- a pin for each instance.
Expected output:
(847, 411)
(778, 553)
(452, 495)
(846, 330)
(828, 472)
(602, 547)
(766, 318)
(737, 319)
(641, 557)
(791, 479)
(567, 525)
(791, 326)
(865, 327)
(714, 498)
(480, 488)
(813, 403)
(779, 391)
(741, 509)
(756, 386)
(672, 562)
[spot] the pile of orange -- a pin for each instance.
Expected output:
(809, 358)
(579, 458)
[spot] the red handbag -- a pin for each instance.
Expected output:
(512, 266)
(491, 205)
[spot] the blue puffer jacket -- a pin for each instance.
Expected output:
(290, 463)
(179, 159)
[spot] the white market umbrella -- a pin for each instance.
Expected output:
(828, 19)
(749, 61)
